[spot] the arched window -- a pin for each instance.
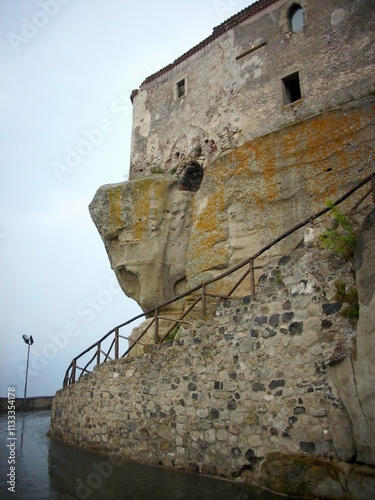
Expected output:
(296, 17)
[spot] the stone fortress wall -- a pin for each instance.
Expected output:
(268, 389)
(233, 94)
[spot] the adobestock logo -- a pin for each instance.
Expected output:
(227, 8)
(87, 309)
(74, 156)
(31, 27)
(91, 139)
(59, 341)
(94, 480)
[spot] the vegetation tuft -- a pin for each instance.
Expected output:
(157, 170)
(174, 332)
(342, 240)
(348, 297)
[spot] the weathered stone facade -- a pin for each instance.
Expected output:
(233, 94)
(162, 241)
(270, 158)
(254, 193)
(252, 391)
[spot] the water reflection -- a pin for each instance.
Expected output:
(31, 461)
(46, 469)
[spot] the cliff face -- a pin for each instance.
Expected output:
(161, 240)
(355, 376)
(145, 225)
(276, 388)
(254, 193)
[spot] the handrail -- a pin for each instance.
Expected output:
(70, 374)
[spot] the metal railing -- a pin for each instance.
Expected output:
(199, 294)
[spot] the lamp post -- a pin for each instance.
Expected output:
(29, 341)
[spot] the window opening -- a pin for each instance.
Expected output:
(192, 177)
(181, 88)
(292, 88)
(296, 18)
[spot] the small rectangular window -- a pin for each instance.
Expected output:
(291, 88)
(181, 90)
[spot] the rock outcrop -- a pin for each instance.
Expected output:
(355, 376)
(145, 225)
(162, 240)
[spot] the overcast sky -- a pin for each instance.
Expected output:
(67, 70)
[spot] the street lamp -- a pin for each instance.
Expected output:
(29, 341)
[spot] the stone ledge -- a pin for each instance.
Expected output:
(31, 404)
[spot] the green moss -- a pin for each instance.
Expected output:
(341, 240)
(297, 474)
(174, 332)
(349, 297)
(157, 170)
(279, 279)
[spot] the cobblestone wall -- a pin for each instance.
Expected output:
(248, 383)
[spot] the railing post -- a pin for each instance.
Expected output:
(74, 367)
(204, 303)
(98, 354)
(252, 277)
(156, 333)
(116, 343)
